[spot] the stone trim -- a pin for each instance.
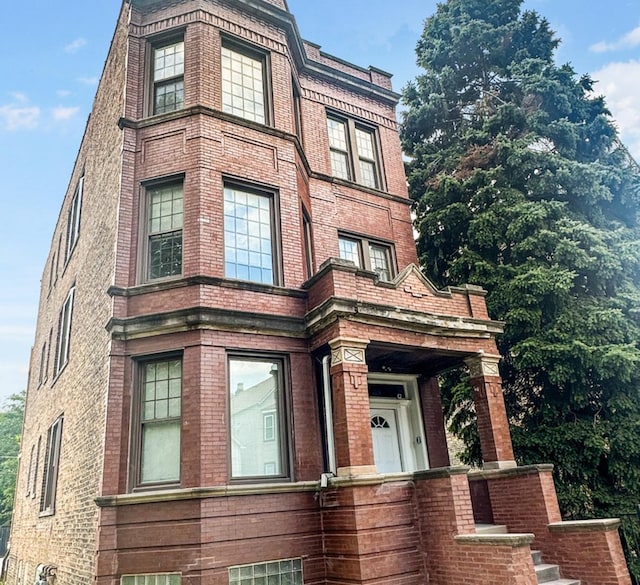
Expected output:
(348, 351)
(205, 318)
(390, 316)
(512, 540)
(598, 525)
(483, 474)
(484, 366)
(440, 473)
(152, 287)
(224, 491)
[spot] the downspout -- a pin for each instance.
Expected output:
(328, 419)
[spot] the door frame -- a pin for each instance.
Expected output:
(409, 420)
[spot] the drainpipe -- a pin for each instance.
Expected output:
(328, 418)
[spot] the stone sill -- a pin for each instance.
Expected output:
(484, 474)
(224, 491)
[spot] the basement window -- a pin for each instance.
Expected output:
(152, 579)
(287, 572)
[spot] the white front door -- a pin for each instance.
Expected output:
(386, 443)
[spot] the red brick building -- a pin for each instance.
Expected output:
(234, 377)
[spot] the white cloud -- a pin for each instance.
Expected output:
(620, 84)
(628, 41)
(19, 116)
(75, 46)
(63, 93)
(61, 113)
(88, 80)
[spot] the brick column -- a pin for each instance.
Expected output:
(434, 425)
(493, 426)
(352, 420)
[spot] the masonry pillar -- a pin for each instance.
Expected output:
(352, 421)
(493, 426)
(434, 424)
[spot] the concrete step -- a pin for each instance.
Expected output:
(536, 555)
(563, 582)
(491, 529)
(547, 573)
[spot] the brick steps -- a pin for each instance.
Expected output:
(547, 574)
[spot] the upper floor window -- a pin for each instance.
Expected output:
(157, 436)
(168, 77)
(249, 240)
(353, 152)
(64, 333)
(164, 230)
(51, 466)
(256, 389)
(244, 88)
(367, 254)
(73, 219)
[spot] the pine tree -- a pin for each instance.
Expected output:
(521, 185)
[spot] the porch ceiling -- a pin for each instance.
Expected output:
(387, 357)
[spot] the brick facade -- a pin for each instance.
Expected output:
(345, 446)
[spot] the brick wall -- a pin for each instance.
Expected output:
(67, 539)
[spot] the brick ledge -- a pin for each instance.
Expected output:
(512, 540)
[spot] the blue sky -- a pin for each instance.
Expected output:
(55, 53)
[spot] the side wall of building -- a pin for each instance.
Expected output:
(73, 390)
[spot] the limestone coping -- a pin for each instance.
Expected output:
(508, 472)
(597, 525)
(512, 540)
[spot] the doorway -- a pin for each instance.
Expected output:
(397, 430)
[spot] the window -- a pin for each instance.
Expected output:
(42, 374)
(244, 83)
(35, 469)
(30, 470)
(367, 254)
(160, 409)
(249, 252)
(51, 465)
(353, 153)
(73, 219)
(256, 389)
(297, 113)
(160, 579)
(278, 572)
(168, 77)
(307, 243)
(164, 230)
(64, 333)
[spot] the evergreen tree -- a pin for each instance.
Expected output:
(521, 185)
(10, 432)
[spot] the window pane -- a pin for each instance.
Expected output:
(379, 256)
(169, 97)
(350, 250)
(364, 142)
(340, 165)
(248, 236)
(169, 61)
(337, 134)
(243, 85)
(165, 255)
(160, 457)
(368, 174)
(255, 388)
